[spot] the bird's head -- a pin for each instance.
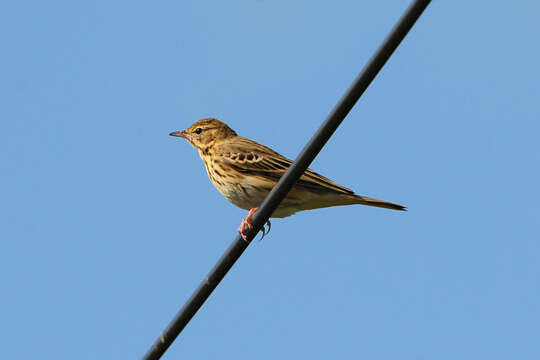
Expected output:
(205, 133)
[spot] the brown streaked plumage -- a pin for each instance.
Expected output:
(245, 171)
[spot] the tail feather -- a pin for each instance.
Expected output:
(364, 200)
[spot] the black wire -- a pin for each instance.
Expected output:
(286, 182)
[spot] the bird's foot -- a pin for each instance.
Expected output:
(265, 232)
(248, 222)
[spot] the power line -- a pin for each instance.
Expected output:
(286, 182)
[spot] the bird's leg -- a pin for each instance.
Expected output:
(247, 222)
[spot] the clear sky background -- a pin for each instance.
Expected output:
(107, 224)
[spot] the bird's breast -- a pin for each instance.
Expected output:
(235, 186)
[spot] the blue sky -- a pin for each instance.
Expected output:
(108, 224)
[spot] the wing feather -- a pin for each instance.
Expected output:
(251, 158)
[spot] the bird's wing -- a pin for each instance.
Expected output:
(251, 158)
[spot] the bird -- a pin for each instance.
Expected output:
(245, 171)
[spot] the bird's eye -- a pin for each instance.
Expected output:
(198, 131)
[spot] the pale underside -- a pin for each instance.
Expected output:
(245, 171)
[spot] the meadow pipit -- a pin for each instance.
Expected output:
(245, 171)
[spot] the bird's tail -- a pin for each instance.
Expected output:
(364, 200)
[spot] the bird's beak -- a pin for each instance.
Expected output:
(181, 134)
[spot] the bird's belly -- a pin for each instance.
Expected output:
(243, 195)
(247, 196)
